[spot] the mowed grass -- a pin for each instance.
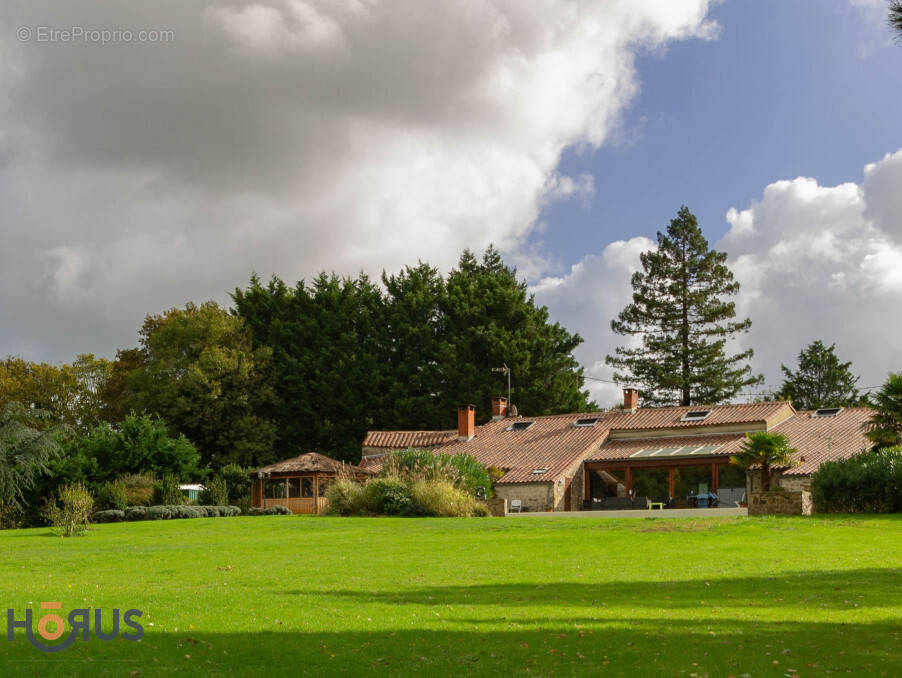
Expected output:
(306, 596)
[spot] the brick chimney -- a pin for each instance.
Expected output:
(499, 408)
(631, 399)
(466, 422)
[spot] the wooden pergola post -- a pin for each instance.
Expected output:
(670, 473)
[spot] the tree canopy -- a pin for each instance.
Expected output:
(26, 449)
(884, 428)
(820, 380)
(764, 450)
(348, 357)
(680, 320)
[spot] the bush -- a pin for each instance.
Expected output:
(480, 510)
(215, 492)
(271, 511)
(138, 488)
(460, 470)
(108, 516)
(10, 516)
(386, 496)
(244, 505)
(869, 482)
(440, 498)
(166, 491)
(158, 513)
(68, 514)
(345, 497)
(136, 513)
(238, 483)
(112, 495)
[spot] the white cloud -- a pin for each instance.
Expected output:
(814, 262)
(289, 136)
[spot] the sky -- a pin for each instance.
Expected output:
(192, 144)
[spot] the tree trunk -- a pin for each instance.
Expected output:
(765, 477)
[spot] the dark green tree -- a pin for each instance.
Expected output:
(487, 320)
(820, 380)
(201, 373)
(884, 428)
(681, 315)
(895, 18)
(26, 450)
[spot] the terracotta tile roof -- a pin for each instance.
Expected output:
(623, 449)
(671, 417)
(819, 439)
(552, 443)
(401, 440)
(312, 462)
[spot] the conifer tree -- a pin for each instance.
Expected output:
(820, 380)
(682, 317)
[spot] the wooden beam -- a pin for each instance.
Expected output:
(670, 471)
(629, 481)
(587, 482)
(715, 477)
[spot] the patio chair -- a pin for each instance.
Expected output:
(516, 506)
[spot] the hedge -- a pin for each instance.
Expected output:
(869, 482)
(166, 512)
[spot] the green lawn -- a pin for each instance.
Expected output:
(272, 596)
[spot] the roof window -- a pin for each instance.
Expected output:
(539, 471)
(520, 425)
(696, 415)
(588, 421)
(827, 412)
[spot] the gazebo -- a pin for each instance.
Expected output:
(300, 482)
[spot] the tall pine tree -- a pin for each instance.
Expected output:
(681, 314)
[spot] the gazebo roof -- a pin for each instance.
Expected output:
(312, 462)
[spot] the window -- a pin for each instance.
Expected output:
(300, 487)
(539, 471)
(827, 412)
(324, 485)
(588, 421)
(306, 487)
(696, 415)
(520, 425)
(274, 489)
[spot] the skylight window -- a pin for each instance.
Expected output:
(539, 471)
(827, 412)
(696, 415)
(520, 425)
(588, 421)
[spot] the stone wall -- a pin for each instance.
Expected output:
(578, 488)
(497, 505)
(777, 479)
(775, 503)
(535, 496)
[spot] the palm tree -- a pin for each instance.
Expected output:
(895, 18)
(765, 450)
(884, 428)
(24, 451)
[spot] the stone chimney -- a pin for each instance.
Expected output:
(499, 408)
(466, 422)
(631, 399)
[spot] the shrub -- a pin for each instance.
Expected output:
(166, 491)
(69, 512)
(244, 505)
(440, 498)
(869, 482)
(345, 497)
(461, 470)
(238, 483)
(271, 511)
(10, 516)
(138, 488)
(215, 492)
(480, 510)
(108, 516)
(112, 495)
(386, 496)
(158, 513)
(136, 513)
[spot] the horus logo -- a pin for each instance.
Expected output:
(51, 626)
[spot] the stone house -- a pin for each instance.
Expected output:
(633, 455)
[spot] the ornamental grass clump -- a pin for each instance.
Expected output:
(441, 498)
(345, 497)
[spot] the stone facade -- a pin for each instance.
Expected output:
(534, 496)
(497, 505)
(775, 503)
(777, 479)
